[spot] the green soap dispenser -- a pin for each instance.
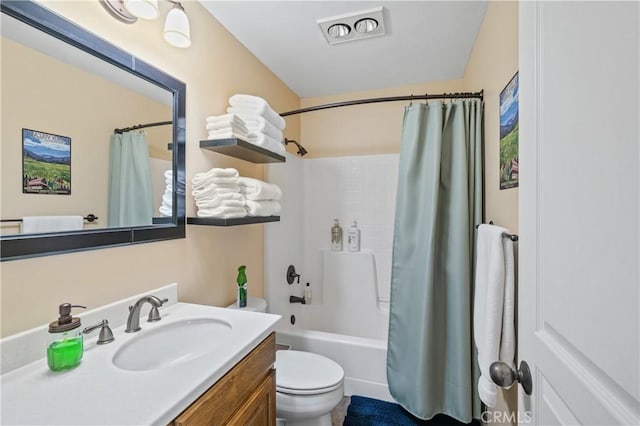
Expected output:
(65, 346)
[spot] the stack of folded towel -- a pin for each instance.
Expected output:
(217, 194)
(265, 126)
(261, 198)
(223, 194)
(167, 198)
(226, 126)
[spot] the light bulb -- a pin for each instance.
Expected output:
(176, 28)
(339, 30)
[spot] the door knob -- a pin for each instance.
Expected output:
(504, 376)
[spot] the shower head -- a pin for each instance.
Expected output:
(301, 150)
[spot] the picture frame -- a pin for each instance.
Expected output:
(46, 163)
(509, 114)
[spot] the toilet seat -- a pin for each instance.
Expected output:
(306, 373)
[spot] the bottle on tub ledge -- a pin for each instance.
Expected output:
(242, 287)
(336, 236)
(307, 295)
(353, 237)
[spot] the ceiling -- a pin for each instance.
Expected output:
(425, 41)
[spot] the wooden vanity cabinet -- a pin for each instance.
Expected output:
(245, 396)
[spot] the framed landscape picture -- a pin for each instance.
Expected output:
(509, 135)
(46, 163)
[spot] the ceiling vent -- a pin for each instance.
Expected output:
(353, 26)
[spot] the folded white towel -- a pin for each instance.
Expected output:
(167, 199)
(255, 189)
(262, 208)
(266, 142)
(493, 306)
(258, 105)
(213, 119)
(214, 204)
(223, 212)
(258, 123)
(226, 134)
(215, 172)
(37, 224)
(168, 174)
(165, 211)
(215, 176)
(213, 190)
(208, 195)
(219, 126)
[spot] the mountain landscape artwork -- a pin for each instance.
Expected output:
(46, 163)
(509, 135)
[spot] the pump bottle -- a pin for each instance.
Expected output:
(65, 345)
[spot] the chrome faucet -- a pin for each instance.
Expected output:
(133, 322)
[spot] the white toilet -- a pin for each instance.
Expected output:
(308, 385)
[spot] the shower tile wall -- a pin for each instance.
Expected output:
(361, 188)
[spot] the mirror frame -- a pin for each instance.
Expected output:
(25, 246)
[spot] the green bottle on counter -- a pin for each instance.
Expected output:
(242, 287)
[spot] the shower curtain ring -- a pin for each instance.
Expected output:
(426, 99)
(411, 100)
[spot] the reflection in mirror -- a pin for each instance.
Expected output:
(53, 88)
(64, 93)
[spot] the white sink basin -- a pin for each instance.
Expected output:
(171, 344)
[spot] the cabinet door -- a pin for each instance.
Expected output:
(260, 408)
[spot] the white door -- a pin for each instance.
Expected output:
(578, 299)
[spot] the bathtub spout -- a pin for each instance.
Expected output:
(295, 299)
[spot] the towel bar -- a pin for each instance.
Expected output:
(512, 237)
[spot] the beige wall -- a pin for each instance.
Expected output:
(361, 129)
(36, 95)
(493, 62)
(204, 264)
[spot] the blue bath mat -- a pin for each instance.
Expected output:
(365, 411)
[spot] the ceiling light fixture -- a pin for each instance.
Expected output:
(365, 23)
(177, 30)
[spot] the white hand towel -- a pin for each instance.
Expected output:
(212, 196)
(258, 105)
(493, 316)
(266, 142)
(218, 127)
(167, 199)
(223, 212)
(215, 172)
(168, 174)
(214, 204)
(225, 118)
(257, 123)
(255, 189)
(226, 134)
(262, 208)
(165, 211)
(212, 190)
(37, 224)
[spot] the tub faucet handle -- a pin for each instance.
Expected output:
(292, 275)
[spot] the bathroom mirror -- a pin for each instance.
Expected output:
(65, 85)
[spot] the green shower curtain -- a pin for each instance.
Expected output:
(130, 189)
(431, 361)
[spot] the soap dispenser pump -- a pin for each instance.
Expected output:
(65, 346)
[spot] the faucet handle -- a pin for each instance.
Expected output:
(105, 336)
(154, 314)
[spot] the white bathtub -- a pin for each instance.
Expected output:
(363, 359)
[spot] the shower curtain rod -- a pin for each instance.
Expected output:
(457, 95)
(143, 126)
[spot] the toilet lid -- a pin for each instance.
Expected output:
(306, 372)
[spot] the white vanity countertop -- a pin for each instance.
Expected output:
(99, 393)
